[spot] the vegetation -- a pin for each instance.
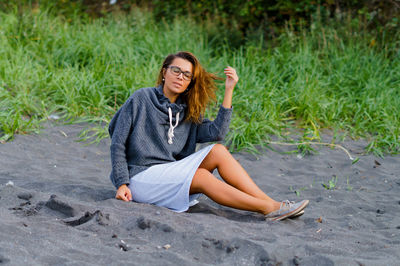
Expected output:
(331, 185)
(332, 74)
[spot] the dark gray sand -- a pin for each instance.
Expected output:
(59, 210)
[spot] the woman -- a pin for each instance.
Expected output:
(153, 141)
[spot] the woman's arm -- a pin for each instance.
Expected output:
(216, 130)
(230, 83)
(119, 129)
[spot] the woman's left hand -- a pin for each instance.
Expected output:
(231, 78)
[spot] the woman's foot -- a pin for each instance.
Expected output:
(287, 209)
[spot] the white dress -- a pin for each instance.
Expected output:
(167, 185)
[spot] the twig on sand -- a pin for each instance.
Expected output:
(65, 134)
(315, 143)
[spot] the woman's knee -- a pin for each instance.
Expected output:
(213, 159)
(219, 149)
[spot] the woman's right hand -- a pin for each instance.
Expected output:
(124, 193)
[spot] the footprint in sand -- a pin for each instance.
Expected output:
(144, 224)
(62, 207)
(74, 216)
(97, 216)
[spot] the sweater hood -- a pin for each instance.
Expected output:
(176, 111)
(163, 103)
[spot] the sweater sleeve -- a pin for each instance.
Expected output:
(214, 130)
(119, 129)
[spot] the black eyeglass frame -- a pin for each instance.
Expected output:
(186, 74)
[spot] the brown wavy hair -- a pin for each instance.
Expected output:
(201, 89)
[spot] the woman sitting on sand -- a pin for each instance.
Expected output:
(154, 136)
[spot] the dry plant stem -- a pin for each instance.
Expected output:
(314, 143)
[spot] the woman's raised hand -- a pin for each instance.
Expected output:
(124, 193)
(231, 78)
(230, 82)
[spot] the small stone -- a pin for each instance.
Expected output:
(123, 246)
(319, 220)
(114, 236)
(167, 246)
(25, 196)
(10, 184)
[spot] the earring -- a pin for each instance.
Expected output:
(163, 79)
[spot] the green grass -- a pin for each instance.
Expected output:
(331, 184)
(328, 77)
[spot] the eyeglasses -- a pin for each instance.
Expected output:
(177, 71)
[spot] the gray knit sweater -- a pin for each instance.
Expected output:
(139, 133)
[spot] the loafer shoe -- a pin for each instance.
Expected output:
(300, 213)
(287, 209)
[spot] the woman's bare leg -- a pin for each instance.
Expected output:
(227, 195)
(231, 171)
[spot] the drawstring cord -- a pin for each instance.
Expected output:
(171, 127)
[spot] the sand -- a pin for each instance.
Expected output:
(57, 207)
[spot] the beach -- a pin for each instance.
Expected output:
(57, 207)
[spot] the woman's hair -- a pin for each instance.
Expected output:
(201, 89)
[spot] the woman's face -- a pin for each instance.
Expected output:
(177, 78)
